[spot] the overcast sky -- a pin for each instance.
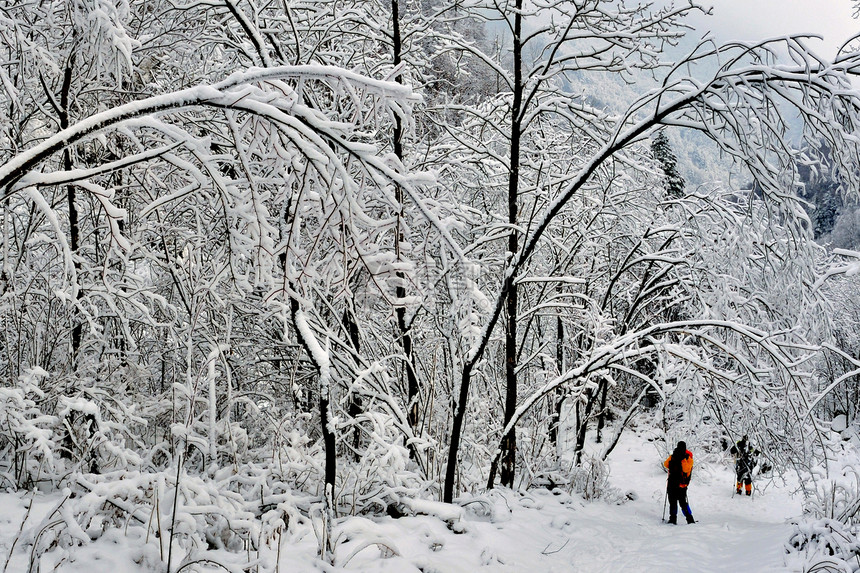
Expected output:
(758, 19)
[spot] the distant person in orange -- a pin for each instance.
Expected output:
(680, 466)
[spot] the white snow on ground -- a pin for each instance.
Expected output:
(503, 531)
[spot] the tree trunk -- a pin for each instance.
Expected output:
(456, 434)
(71, 200)
(404, 331)
(329, 442)
(583, 428)
(354, 409)
(68, 443)
(555, 417)
(509, 441)
(601, 415)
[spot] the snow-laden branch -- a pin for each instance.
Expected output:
(850, 374)
(848, 269)
(37, 178)
(260, 92)
(813, 89)
(625, 347)
(230, 93)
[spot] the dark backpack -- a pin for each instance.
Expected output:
(676, 473)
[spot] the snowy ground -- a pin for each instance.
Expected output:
(732, 533)
(503, 531)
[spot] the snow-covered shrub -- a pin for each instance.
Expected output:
(823, 545)
(591, 480)
(833, 490)
(96, 431)
(218, 519)
(383, 473)
(829, 538)
(297, 459)
(43, 433)
(26, 433)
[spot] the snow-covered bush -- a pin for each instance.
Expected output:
(823, 545)
(591, 480)
(383, 473)
(828, 539)
(832, 490)
(187, 519)
(26, 433)
(97, 431)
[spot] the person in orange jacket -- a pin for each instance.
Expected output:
(680, 466)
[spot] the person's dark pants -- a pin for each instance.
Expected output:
(678, 496)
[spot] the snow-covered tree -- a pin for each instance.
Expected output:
(244, 261)
(662, 151)
(597, 36)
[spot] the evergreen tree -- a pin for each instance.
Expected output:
(662, 151)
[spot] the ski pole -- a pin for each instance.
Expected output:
(665, 501)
